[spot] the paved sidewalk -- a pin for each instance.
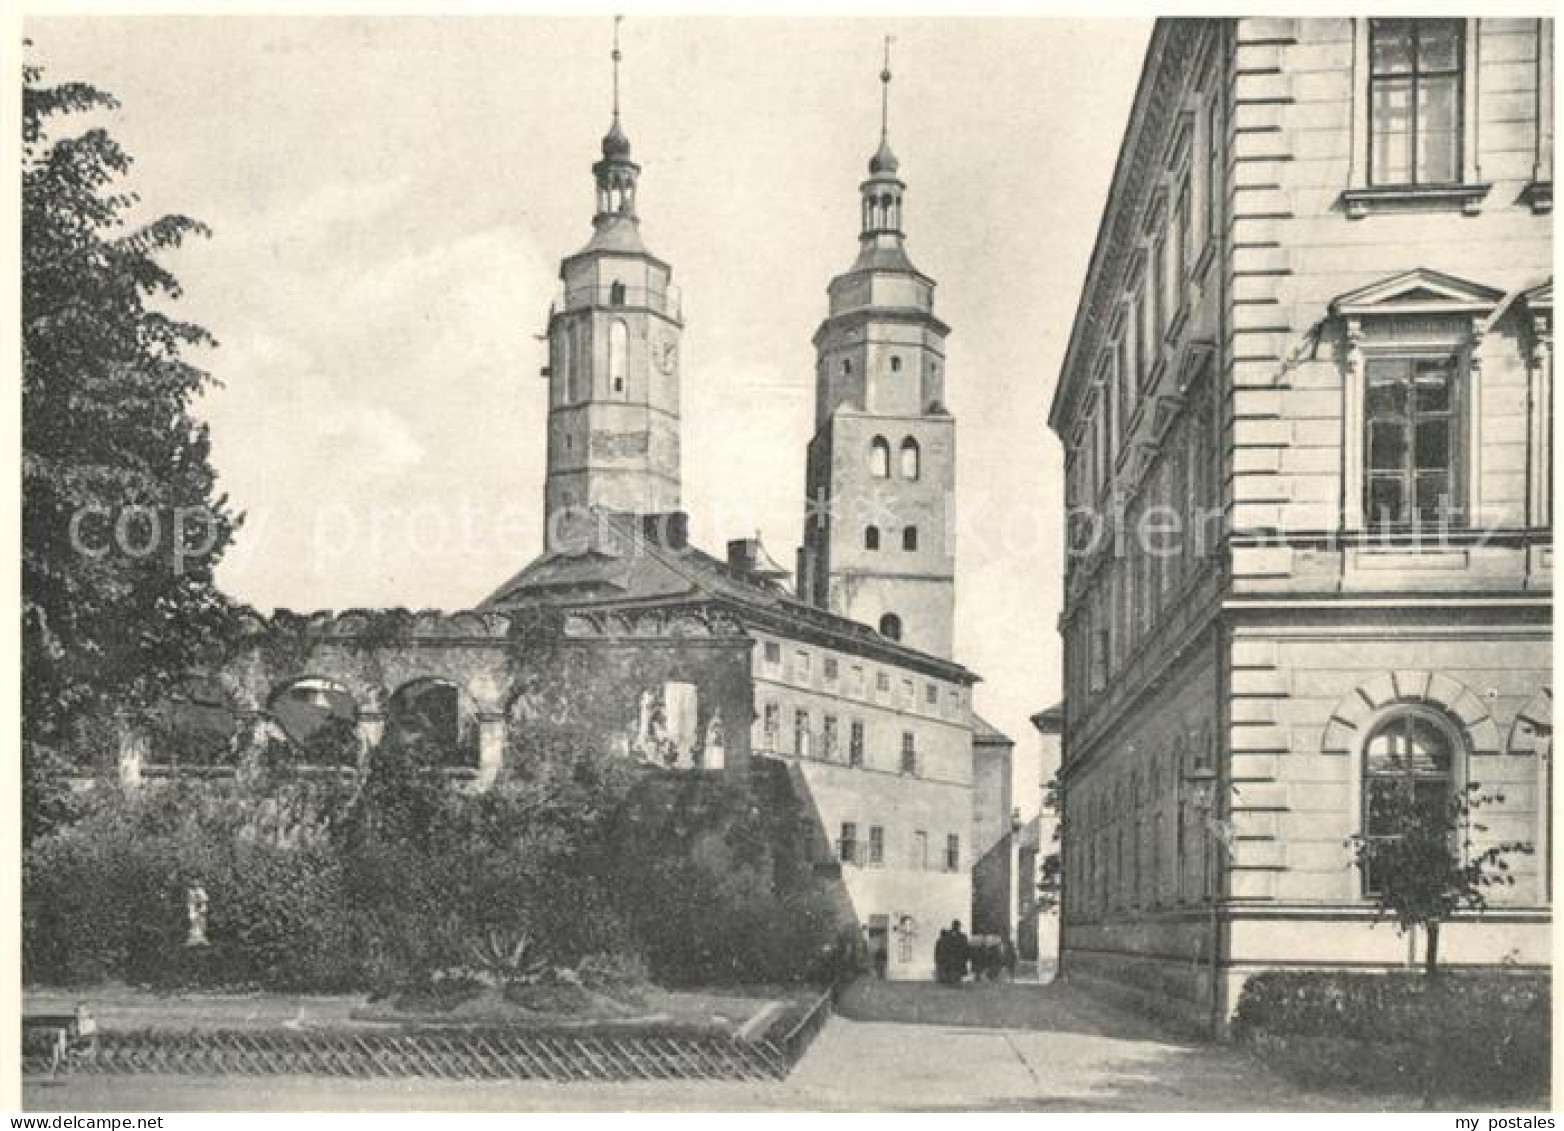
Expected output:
(1028, 1047)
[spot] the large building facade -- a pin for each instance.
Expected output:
(1306, 407)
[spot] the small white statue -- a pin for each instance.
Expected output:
(195, 911)
(715, 756)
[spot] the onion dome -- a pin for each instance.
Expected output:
(883, 161)
(616, 144)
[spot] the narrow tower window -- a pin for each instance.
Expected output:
(910, 458)
(895, 363)
(871, 538)
(890, 626)
(616, 294)
(909, 538)
(880, 458)
(618, 350)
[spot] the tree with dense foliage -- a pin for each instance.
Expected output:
(121, 523)
(1429, 866)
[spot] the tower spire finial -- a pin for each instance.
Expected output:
(615, 55)
(883, 163)
(885, 92)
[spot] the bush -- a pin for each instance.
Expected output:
(318, 885)
(1482, 1034)
(709, 888)
(105, 898)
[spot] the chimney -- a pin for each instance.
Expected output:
(669, 529)
(742, 553)
(748, 559)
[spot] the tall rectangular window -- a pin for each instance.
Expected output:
(1107, 400)
(1102, 448)
(1215, 182)
(1412, 440)
(920, 850)
(909, 753)
(801, 664)
(876, 846)
(952, 853)
(773, 652)
(1143, 339)
(801, 734)
(1156, 286)
(773, 725)
(847, 846)
(1099, 657)
(1124, 392)
(830, 668)
(1181, 237)
(855, 743)
(806, 839)
(830, 740)
(1415, 76)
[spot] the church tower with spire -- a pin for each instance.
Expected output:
(613, 364)
(879, 531)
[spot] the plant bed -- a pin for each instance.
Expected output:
(1481, 1035)
(567, 1007)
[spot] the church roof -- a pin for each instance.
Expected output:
(615, 233)
(1050, 720)
(986, 732)
(876, 256)
(636, 564)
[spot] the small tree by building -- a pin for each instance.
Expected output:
(1430, 865)
(1050, 868)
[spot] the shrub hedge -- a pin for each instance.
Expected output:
(328, 885)
(1478, 1034)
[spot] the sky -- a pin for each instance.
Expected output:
(390, 198)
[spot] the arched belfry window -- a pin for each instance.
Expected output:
(911, 459)
(880, 458)
(890, 626)
(871, 538)
(1409, 770)
(618, 354)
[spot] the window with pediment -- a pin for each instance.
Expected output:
(1413, 358)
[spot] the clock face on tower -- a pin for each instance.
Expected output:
(666, 353)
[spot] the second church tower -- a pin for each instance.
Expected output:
(879, 536)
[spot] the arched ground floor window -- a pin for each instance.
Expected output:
(1409, 759)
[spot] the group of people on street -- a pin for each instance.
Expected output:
(985, 955)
